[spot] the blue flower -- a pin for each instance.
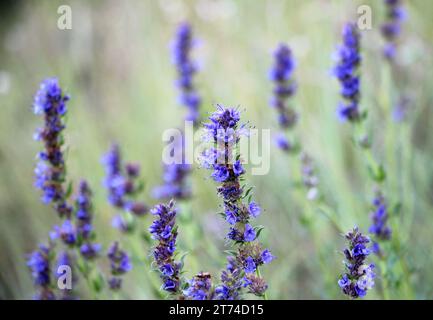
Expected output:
(84, 215)
(379, 217)
(223, 131)
(169, 285)
(344, 281)
(39, 265)
(121, 182)
(250, 233)
(346, 71)
(391, 28)
(175, 182)
(238, 169)
(285, 87)
(255, 284)
(221, 173)
(119, 265)
(164, 230)
(359, 276)
(199, 287)
(266, 256)
(166, 233)
(66, 232)
(282, 142)
(231, 281)
(360, 250)
(250, 265)
(235, 235)
(231, 217)
(254, 209)
(119, 259)
(90, 250)
(167, 270)
(50, 171)
(115, 283)
(186, 68)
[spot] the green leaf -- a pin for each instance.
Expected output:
(247, 192)
(69, 189)
(230, 252)
(250, 198)
(98, 283)
(377, 174)
(182, 260)
(259, 230)
(381, 174)
(222, 214)
(396, 209)
(146, 237)
(140, 186)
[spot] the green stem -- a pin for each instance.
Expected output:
(143, 259)
(385, 284)
(265, 295)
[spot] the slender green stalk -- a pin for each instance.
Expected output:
(265, 295)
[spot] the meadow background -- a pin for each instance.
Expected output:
(116, 65)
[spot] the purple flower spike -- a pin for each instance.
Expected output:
(186, 68)
(285, 87)
(84, 216)
(346, 71)
(39, 263)
(359, 277)
(228, 171)
(391, 28)
(379, 217)
(199, 287)
(50, 171)
(175, 178)
(121, 182)
(119, 265)
(164, 230)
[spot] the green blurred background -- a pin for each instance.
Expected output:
(116, 65)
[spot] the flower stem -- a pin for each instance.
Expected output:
(265, 295)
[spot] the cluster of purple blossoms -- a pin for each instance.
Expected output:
(200, 287)
(39, 264)
(186, 69)
(232, 281)
(250, 257)
(224, 132)
(164, 230)
(379, 216)
(391, 29)
(67, 232)
(255, 284)
(175, 176)
(282, 73)
(84, 216)
(359, 276)
(122, 185)
(50, 102)
(346, 71)
(119, 265)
